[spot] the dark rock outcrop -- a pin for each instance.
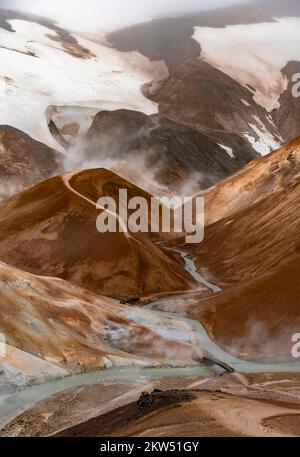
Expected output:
(172, 151)
(24, 161)
(287, 116)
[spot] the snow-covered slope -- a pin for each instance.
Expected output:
(253, 54)
(40, 70)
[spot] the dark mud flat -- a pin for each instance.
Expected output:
(159, 414)
(192, 413)
(257, 404)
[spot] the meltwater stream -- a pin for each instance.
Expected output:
(12, 405)
(191, 268)
(168, 324)
(202, 336)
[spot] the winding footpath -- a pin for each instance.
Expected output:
(67, 178)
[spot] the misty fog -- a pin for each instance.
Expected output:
(93, 15)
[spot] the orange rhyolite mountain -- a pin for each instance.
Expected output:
(253, 183)
(256, 213)
(251, 250)
(255, 320)
(48, 320)
(50, 230)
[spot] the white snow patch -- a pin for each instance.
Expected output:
(259, 121)
(253, 54)
(228, 150)
(258, 145)
(245, 102)
(64, 116)
(3, 87)
(265, 143)
(111, 80)
(268, 136)
(269, 117)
